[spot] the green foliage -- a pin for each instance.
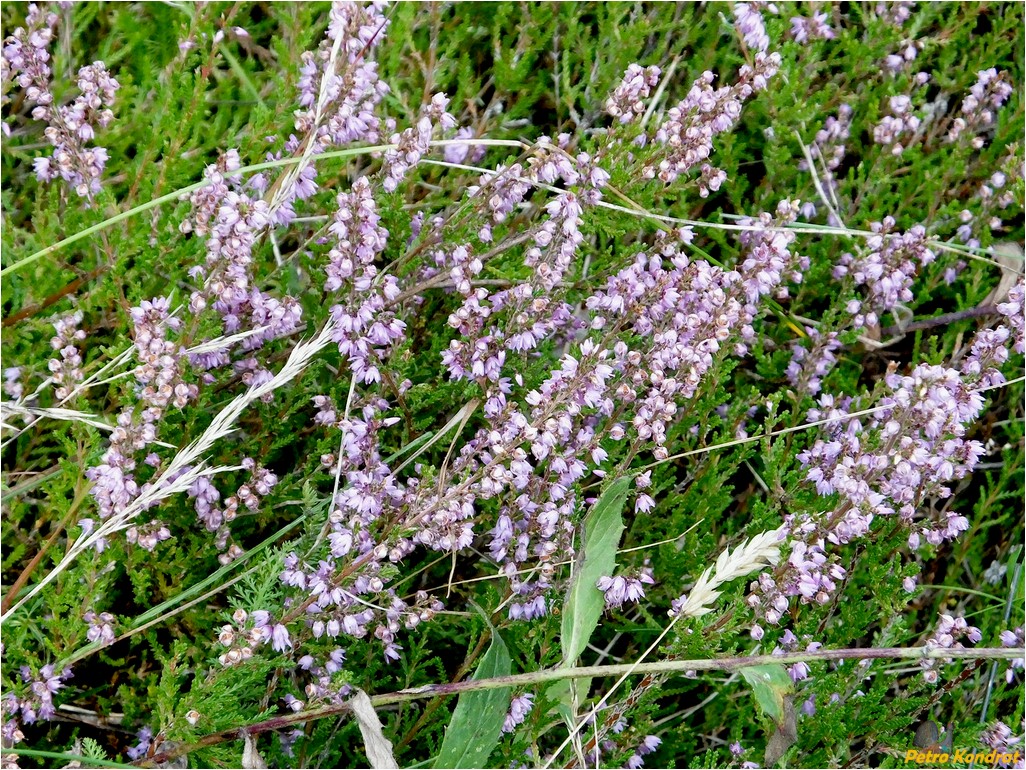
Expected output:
(513, 71)
(770, 684)
(584, 602)
(476, 723)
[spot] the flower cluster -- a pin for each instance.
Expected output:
(70, 127)
(910, 447)
(689, 128)
(625, 588)
(647, 746)
(101, 628)
(34, 703)
(144, 739)
(232, 235)
(899, 128)
(248, 631)
(233, 222)
(321, 688)
(215, 519)
(148, 535)
(894, 12)
(999, 189)
(114, 485)
(159, 376)
(363, 328)
(296, 184)
(788, 642)
(1013, 638)
(206, 201)
(901, 59)
(749, 24)
(815, 27)
(516, 320)
(519, 708)
(66, 370)
(829, 145)
(26, 59)
(688, 314)
(573, 382)
(1012, 309)
(979, 108)
(13, 386)
(810, 364)
(627, 102)
(886, 270)
(360, 238)
(412, 143)
(161, 361)
(1000, 737)
(463, 152)
(949, 632)
(339, 85)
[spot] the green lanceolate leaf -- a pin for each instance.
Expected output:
(770, 683)
(584, 601)
(476, 724)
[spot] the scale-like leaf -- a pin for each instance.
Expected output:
(476, 725)
(584, 601)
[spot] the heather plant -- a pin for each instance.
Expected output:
(505, 385)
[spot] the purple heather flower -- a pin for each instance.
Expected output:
(1012, 310)
(1013, 638)
(144, 738)
(894, 13)
(1000, 737)
(949, 631)
(688, 130)
(12, 382)
(749, 24)
(980, 106)
(886, 270)
(280, 640)
(66, 371)
(895, 130)
(626, 102)
(815, 27)
(339, 94)
(414, 142)
(161, 361)
(809, 364)
(100, 627)
(71, 125)
(829, 147)
(621, 589)
(147, 536)
(519, 708)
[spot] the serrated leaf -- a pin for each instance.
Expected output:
(584, 601)
(476, 725)
(769, 683)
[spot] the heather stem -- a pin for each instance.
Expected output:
(585, 672)
(186, 191)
